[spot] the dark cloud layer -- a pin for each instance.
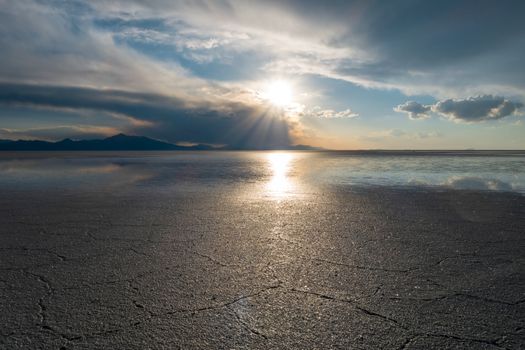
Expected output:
(424, 46)
(59, 132)
(234, 124)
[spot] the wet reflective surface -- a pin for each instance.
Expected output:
(279, 174)
(261, 250)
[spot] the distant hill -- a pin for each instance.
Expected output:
(275, 148)
(118, 142)
(305, 148)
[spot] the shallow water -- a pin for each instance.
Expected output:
(274, 174)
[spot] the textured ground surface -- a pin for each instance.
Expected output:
(369, 269)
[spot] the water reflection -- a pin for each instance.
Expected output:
(274, 175)
(280, 184)
(476, 183)
(67, 173)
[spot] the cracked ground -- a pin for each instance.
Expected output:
(153, 268)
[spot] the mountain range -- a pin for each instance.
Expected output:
(118, 142)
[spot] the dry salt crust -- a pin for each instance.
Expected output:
(378, 268)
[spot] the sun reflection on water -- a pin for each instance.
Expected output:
(280, 184)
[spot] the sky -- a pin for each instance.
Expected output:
(400, 74)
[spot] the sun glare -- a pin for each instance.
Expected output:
(279, 93)
(280, 184)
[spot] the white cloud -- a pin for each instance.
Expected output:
(47, 45)
(293, 38)
(332, 114)
(401, 134)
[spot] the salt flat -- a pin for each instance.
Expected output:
(252, 254)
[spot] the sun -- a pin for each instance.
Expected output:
(279, 93)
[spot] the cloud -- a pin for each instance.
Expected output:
(414, 110)
(232, 123)
(331, 114)
(471, 109)
(54, 57)
(135, 122)
(476, 109)
(176, 69)
(366, 43)
(59, 132)
(49, 43)
(398, 134)
(428, 134)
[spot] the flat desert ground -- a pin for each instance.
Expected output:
(157, 266)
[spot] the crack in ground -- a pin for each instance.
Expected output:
(139, 252)
(75, 337)
(246, 325)
(462, 295)
(51, 252)
(222, 305)
(360, 267)
(407, 342)
(375, 314)
(212, 259)
(465, 339)
(352, 302)
(493, 342)
(42, 313)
